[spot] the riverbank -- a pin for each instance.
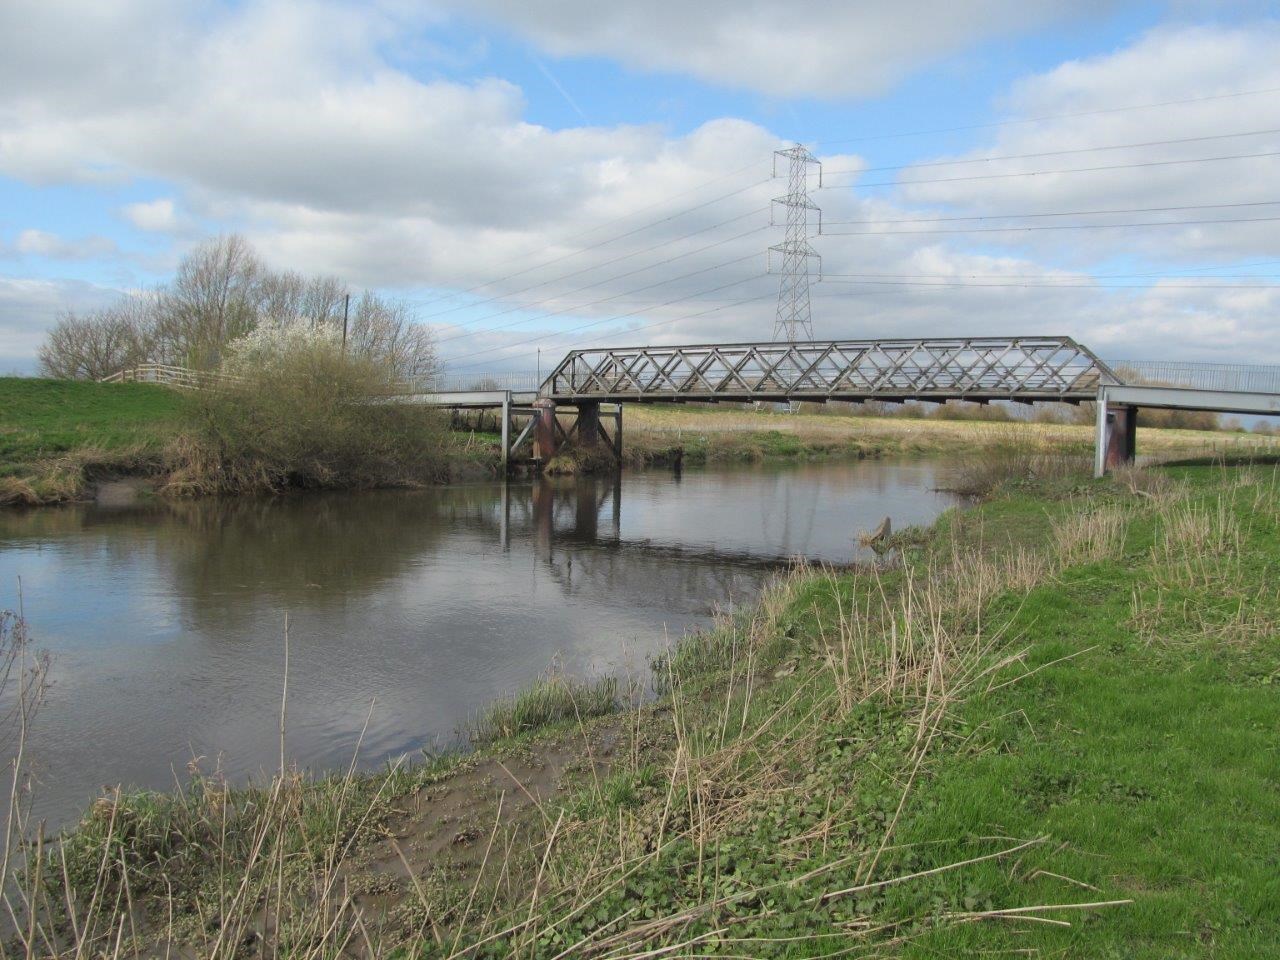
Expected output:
(57, 437)
(1050, 728)
(62, 440)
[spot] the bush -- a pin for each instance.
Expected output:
(293, 409)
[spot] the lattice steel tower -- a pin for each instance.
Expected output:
(794, 319)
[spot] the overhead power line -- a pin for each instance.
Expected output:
(623, 316)
(1080, 277)
(1057, 116)
(1075, 285)
(1053, 153)
(663, 323)
(1038, 173)
(1048, 226)
(1063, 213)
(608, 223)
(595, 266)
(516, 323)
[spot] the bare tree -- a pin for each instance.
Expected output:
(281, 297)
(99, 343)
(289, 296)
(322, 300)
(216, 297)
(384, 330)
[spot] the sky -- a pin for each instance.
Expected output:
(533, 177)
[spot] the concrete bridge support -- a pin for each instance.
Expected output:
(1115, 443)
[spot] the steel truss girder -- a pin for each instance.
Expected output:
(969, 368)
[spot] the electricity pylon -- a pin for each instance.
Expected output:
(794, 319)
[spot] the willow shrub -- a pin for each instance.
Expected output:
(293, 409)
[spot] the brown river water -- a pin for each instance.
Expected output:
(165, 621)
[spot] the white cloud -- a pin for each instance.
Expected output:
(41, 243)
(285, 121)
(291, 102)
(155, 216)
(1165, 65)
(798, 48)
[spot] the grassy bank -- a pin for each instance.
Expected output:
(58, 438)
(1049, 731)
(56, 434)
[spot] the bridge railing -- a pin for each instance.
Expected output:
(463, 382)
(1232, 377)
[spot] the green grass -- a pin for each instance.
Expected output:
(1151, 763)
(41, 419)
(551, 701)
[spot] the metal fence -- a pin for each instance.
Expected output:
(459, 382)
(1239, 377)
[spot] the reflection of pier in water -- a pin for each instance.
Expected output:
(575, 528)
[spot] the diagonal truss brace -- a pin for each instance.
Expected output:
(977, 368)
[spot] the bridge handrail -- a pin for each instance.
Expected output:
(1231, 377)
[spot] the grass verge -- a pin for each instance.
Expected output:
(58, 437)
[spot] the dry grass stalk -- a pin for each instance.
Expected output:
(1091, 535)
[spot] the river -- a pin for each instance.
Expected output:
(165, 621)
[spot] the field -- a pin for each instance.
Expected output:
(725, 434)
(1044, 727)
